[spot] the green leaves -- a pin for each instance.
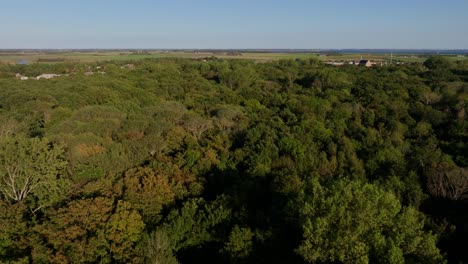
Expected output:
(353, 222)
(149, 146)
(240, 244)
(158, 248)
(13, 231)
(194, 224)
(191, 226)
(437, 62)
(123, 230)
(30, 171)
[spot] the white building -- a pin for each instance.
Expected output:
(47, 76)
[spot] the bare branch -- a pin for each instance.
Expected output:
(448, 182)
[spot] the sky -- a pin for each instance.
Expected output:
(241, 24)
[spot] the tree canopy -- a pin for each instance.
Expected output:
(234, 161)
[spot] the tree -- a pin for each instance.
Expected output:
(229, 117)
(240, 244)
(191, 226)
(123, 231)
(288, 72)
(8, 126)
(196, 124)
(99, 230)
(149, 190)
(448, 181)
(353, 222)
(239, 75)
(157, 249)
(30, 171)
(437, 62)
(439, 69)
(13, 232)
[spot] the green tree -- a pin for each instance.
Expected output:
(239, 75)
(439, 70)
(30, 171)
(352, 222)
(240, 244)
(437, 62)
(13, 232)
(191, 226)
(123, 231)
(157, 248)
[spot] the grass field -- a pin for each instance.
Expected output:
(41, 57)
(111, 55)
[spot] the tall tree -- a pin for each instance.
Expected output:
(30, 171)
(352, 222)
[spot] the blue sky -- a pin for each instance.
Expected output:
(394, 24)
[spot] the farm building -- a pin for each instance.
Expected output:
(21, 77)
(366, 63)
(128, 66)
(47, 76)
(335, 63)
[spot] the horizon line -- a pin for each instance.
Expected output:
(245, 49)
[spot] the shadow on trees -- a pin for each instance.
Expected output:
(454, 216)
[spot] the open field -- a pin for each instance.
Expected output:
(93, 56)
(111, 55)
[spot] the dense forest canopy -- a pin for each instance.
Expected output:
(230, 161)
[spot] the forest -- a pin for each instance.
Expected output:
(233, 161)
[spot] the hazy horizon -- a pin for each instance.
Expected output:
(209, 24)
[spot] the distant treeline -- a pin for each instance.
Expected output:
(51, 60)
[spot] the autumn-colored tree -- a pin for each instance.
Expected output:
(150, 189)
(91, 230)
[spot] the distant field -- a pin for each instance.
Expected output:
(103, 56)
(257, 56)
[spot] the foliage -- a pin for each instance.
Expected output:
(30, 172)
(239, 245)
(352, 222)
(233, 161)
